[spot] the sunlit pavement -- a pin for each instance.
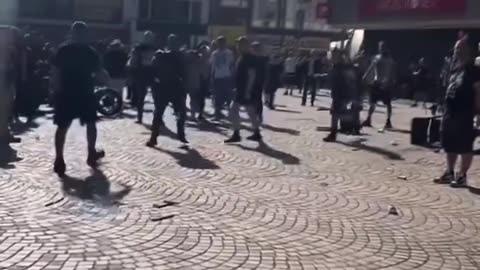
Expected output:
(291, 203)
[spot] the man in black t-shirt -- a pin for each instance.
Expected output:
(75, 65)
(170, 69)
(142, 71)
(461, 103)
(249, 82)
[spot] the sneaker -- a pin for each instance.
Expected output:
(447, 178)
(459, 182)
(234, 139)
(367, 123)
(332, 137)
(388, 125)
(93, 158)
(256, 137)
(59, 167)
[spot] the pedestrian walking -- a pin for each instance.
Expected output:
(249, 82)
(383, 70)
(462, 102)
(222, 63)
(170, 68)
(74, 64)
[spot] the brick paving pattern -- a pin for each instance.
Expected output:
(291, 203)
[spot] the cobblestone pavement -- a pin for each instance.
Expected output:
(291, 203)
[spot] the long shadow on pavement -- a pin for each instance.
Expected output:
(359, 144)
(94, 187)
(8, 157)
(265, 149)
(190, 159)
(19, 128)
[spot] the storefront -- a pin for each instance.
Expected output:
(292, 24)
(52, 18)
(186, 18)
(404, 14)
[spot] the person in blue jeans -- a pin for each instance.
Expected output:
(222, 62)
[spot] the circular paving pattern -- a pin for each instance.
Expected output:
(291, 203)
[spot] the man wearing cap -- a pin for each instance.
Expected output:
(170, 68)
(249, 82)
(75, 65)
(141, 69)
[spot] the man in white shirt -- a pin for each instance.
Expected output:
(222, 63)
(290, 70)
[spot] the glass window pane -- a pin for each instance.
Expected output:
(265, 13)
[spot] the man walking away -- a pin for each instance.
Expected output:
(115, 61)
(170, 68)
(314, 70)
(274, 80)
(222, 62)
(383, 68)
(250, 79)
(142, 71)
(74, 65)
(344, 84)
(461, 103)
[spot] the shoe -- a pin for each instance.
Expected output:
(139, 122)
(182, 139)
(303, 104)
(414, 105)
(152, 143)
(367, 123)
(59, 167)
(459, 182)
(446, 179)
(388, 125)
(286, 93)
(332, 137)
(94, 157)
(256, 137)
(234, 139)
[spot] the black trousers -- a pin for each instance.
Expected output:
(164, 95)
(310, 86)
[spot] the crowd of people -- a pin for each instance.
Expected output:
(244, 76)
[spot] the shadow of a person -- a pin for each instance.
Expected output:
(191, 159)
(265, 149)
(19, 128)
(8, 156)
(359, 144)
(95, 186)
(281, 130)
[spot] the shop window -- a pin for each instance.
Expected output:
(46, 9)
(266, 13)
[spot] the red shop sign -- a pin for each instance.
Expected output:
(379, 8)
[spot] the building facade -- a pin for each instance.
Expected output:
(53, 17)
(404, 14)
(188, 19)
(292, 24)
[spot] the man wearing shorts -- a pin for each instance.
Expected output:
(383, 68)
(462, 100)
(75, 65)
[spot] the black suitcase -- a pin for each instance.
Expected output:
(425, 131)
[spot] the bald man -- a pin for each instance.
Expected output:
(74, 64)
(169, 69)
(462, 101)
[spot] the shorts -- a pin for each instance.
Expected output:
(69, 109)
(458, 134)
(378, 93)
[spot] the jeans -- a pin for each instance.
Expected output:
(252, 111)
(222, 93)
